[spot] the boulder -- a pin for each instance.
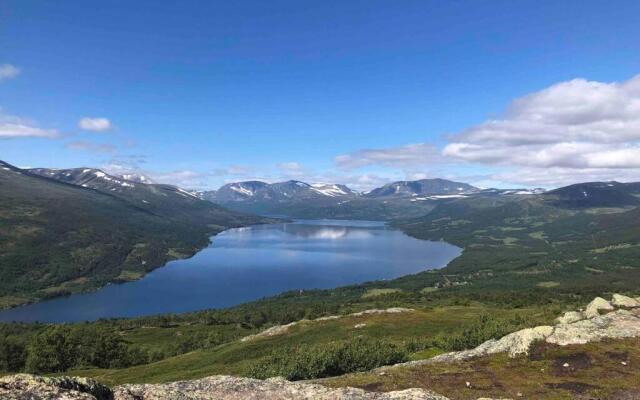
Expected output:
(624, 301)
(598, 304)
(514, 344)
(614, 325)
(570, 317)
(32, 387)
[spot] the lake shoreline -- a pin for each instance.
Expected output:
(334, 224)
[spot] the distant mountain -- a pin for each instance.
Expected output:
(238, 191)
(429, 187)
(63, 231)
(86, 177)
(596, 194)
(289, 191)
(404, 199)
(160, 199)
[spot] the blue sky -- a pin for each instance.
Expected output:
(356, 92)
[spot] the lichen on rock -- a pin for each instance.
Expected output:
(624, 301)
(33, 387)
(233, 388)
(570, 317)
(598, 304)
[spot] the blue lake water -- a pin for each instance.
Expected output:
(246, 264)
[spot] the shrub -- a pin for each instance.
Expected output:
(324, 360)
(485, 328)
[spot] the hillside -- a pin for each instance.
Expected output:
(582, 354)
(59, 237)
(596, 194)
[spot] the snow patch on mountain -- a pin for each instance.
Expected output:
(331, 190)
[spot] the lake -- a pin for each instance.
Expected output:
(249, 263)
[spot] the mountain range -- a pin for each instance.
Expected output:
(111, 228)
(298, 199)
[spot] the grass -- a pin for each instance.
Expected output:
(596, 370)
(236, 358)
(379, 292)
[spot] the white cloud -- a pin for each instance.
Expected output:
(404, 156)
(95, 124)
(571, 131)
(8, 71)
(12, 127)
(558, 176)
(574, 124)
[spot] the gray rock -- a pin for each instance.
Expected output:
(572, 328)
(32, 387)
(514, 344)
(232, 388)
(614, 325)
(624, 301)
(598, 304)
(570, 317)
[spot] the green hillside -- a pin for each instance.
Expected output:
(57, 238)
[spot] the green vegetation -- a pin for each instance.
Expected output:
(525, 260)
(57, 238)
(336, 358)
(379, 292)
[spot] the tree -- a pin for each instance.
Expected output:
(51, 350)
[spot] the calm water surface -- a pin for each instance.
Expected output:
(249, 263)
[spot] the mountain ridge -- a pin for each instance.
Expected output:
(99, 235)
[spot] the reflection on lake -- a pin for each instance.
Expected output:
(249, 263)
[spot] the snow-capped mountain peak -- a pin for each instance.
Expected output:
(331, 190)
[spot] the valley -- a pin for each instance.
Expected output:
(527, 256)
(252, 262)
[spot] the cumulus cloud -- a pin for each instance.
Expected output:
(95, 124)
(12, 127)
(572, 131)
(8, 71)
(574, 124)
(403, 156)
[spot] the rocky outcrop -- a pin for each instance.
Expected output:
(282, 329)
(614, 325)
(25, 386)
(514, 343)
(574, 327)
(598, 304)
(231, 388)
(624, 301)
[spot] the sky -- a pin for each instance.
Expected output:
(202, 93)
